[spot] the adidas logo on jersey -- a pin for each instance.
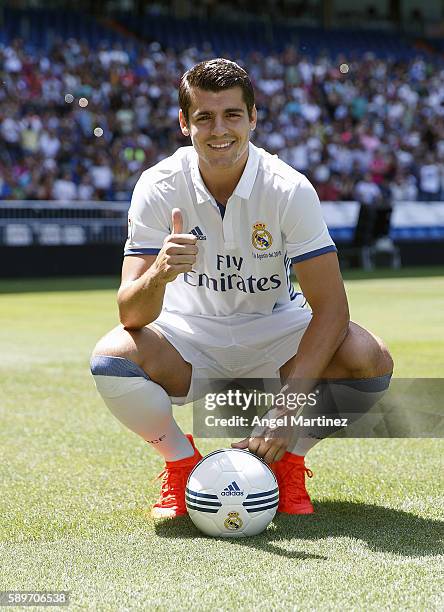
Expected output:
(232, 489)
(198, 233)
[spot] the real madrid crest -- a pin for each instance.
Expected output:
(261, 237)
(233, 521)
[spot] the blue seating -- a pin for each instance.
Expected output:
(40, 27)
(257, 36)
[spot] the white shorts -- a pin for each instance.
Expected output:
(239, 346)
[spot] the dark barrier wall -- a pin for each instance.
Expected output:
(35, 261)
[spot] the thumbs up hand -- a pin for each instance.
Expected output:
(176, 221)
(178, 253)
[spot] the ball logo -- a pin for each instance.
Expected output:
(233, 521)
(232, 490)
(261, 237)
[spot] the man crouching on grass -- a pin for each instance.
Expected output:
(206, 293)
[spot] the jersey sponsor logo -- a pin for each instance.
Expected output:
(198, 233)
(261, 238)
(233, 489)
(228, 282)
(232, 281)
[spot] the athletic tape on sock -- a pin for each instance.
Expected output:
(105, 365)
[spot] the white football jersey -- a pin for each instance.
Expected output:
(272, 219)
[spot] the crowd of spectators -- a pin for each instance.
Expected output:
(81, 124)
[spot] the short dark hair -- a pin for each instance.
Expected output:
(215, 75)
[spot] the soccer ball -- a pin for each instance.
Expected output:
(231, 493)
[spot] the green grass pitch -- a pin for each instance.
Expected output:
(76, 485)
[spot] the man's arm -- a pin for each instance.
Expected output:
(321, 283)
(140, 296)
(144, 277)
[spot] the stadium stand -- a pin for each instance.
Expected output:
(263, 36)
(39, 28)
(87, 104)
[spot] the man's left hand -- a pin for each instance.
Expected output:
(269, 446)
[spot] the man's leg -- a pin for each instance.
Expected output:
(363, 366)
(361, 369)
(136, 373)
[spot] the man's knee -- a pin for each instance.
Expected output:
(375, 360)
(119, 343)
(383, 360)
(361, 355)
(149, 350)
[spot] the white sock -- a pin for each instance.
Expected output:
(303, 445)
(140, 404)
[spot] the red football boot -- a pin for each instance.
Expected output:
(290, 473)
(171, 502)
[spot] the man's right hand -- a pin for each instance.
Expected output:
(178, 253)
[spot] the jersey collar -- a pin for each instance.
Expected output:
(243, 188)
(202, 193)
(245, 185)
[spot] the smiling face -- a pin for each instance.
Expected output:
(219, 126)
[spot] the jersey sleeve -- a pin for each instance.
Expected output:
(303, 226)
(147, 220)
